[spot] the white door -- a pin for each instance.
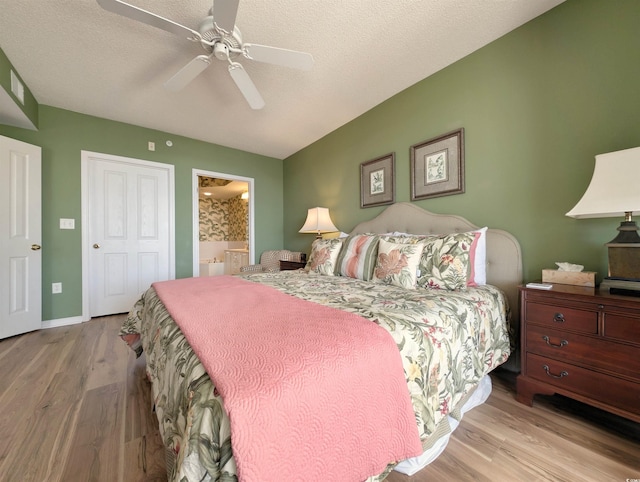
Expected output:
(130, 230)
(20, 238)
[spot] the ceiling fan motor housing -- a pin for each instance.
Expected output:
(223, 44)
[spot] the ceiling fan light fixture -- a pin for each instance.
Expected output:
(221, 51)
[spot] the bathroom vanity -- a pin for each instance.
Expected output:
(234, 259)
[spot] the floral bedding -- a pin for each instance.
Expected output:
(448, 341)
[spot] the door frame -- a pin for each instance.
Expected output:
(195, 194)
(84, 187)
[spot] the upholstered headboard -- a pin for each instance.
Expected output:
(504, 259)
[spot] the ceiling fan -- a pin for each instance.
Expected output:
(221, 39)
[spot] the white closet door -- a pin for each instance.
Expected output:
(129, 231)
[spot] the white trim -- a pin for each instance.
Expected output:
(196, 213)
(84, 188)
(73, 320)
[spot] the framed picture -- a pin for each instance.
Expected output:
(437, 166)
(377, 181)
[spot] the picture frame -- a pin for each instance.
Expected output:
(377, 181)
(437, 166)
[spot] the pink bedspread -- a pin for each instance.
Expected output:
(313, 393)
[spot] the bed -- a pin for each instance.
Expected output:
(448, 340)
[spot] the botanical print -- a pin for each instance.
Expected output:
(436, 169)
(377, 182)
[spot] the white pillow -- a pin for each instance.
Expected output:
(480, 259)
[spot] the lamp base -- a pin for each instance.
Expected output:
(627, 232)
(621, 286)
(624, 261)
(624, 251)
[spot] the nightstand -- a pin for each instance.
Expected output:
(289, 265)
(583, 344)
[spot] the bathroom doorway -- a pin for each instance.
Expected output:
(222, 223)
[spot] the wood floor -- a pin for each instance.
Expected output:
(74, 406)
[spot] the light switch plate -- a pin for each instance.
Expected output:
(67, 223)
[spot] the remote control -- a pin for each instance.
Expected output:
(540, 286)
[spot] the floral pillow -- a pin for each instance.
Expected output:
(397, 263)
(324, 254)
(358, 257)
(446, 261)
(402, 238)
(478, 253)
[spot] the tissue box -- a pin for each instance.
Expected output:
(577, 278)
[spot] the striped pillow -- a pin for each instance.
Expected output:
(358, 256)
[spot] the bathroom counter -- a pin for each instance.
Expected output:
(234, 259)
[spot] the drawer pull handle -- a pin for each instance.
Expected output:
(562, 342)
(562, 373)
(558, 318)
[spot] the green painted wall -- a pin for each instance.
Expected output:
(63, 134)
(537, 105)
(30, 106)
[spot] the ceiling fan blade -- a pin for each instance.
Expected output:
(224, 14)
(278, 56)
(135, 13)
(187, 73)
(246, 86)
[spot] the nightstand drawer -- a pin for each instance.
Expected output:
(615, 358)
(589, 384)
(562, 317)
(621, 327)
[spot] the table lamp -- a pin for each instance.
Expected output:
(614, 191)
(318, 221)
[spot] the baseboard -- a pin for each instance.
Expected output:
(74, 320)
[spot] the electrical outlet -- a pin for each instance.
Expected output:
(152, 146)
(56, 288)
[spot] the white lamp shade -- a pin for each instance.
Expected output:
(614, 188)
(318, 221)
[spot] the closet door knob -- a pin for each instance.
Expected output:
(35, 247)
(96, 246)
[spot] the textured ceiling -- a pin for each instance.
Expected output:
(74, 55)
